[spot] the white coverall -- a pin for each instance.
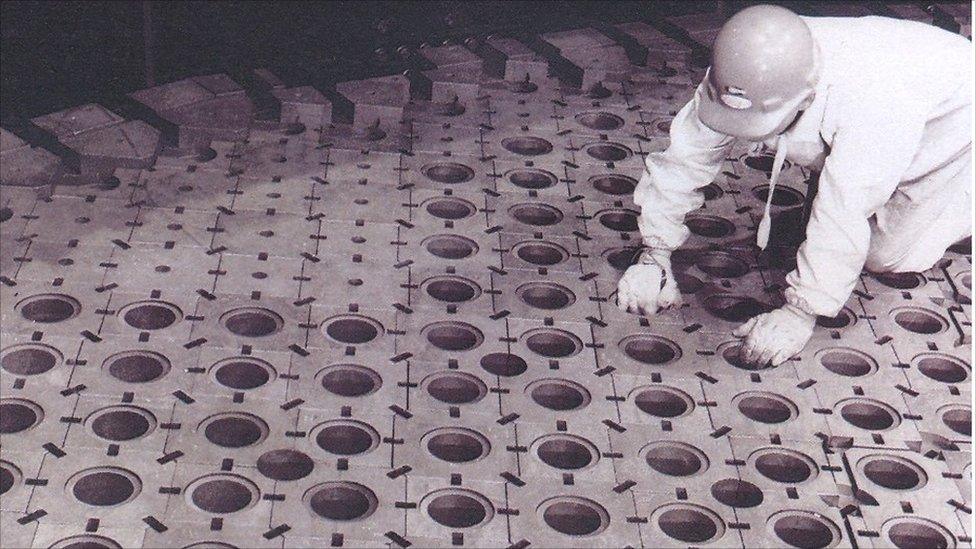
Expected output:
(890, 129)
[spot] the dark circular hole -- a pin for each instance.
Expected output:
(104, 488)
(553, 343)
(964, 246)
(138, 366)
(614, 184)
(688, 524)
(450, 208)
(285, 464)
(917, 535)
(600, 120)
(122, 423)
(893, 473)
(457, 445)
(869, 415)
(451, 289)
(448, 172)
(222, 494)
(450, 246)
(959, 419)
(619, 220)
(545, 295)
(622, 258)
(666, 402)
(559, 395)
(688, 284)
(151, 315)
(843, 319)
(899, 281)
(710, 226)
(766, 408)
(243, 373)
(607, 152)
(737, 493)
(527, 145)
(532, 179)
(535, 214)
(575, 516)
(804, 530)
(782, 196)
(49, 308)
(347, 438)
(762, 162)
(86, 541)
(650, 349)
(235, 430)
(722, 265)
(847, 362)
(675, 459)
(566, 452)
(342, 501)
(8, 477)
(458, 509)
(730, 352)
(664, 126)
(711, 191)
(920, 321)
(734, 308)
(456, 388)
(504, 364)
(453, 336)
(349, 380)
(942, 368)
(29, 359)
(784, 467)
(353, 330)
(5, 214)
(252, 322)
(206, 155)
(543, 254)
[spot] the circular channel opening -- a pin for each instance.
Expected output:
(30, 359)
(453, 336)
(917, 533)
(222, 493)
(607, 152)
(151, 315)
(847, 362)
(721, 265)
(104, 486)
(920, 321)
(350, 380)
(737, 493)
(689, 523)
(559, 395)
(458, 508)
(942, 368)
(137, 366)
(527, 145)
(663, 401)
(448, 172)
(688, 284)
(86, 541)
(614, 184)
(352, 329)
(504, 364)
(10, 476)
(868, 414)
(624, 221)
(545, 295)
(543, 254)
(804, 529)
(530, 178)
(621, 258)
(730, 353)
(783, 196)
(566, 452)
(710, 226)
(899, 281)
(456, 445)
(49, 308)
(764, 407)
(574, 516)
(536, 214)
(711, 191)
(603, 121)
(450, 246)
(234, 429)
(958, 417)
(243, 373)
(552, 342)
(285, 464)
(121, 423)
(448, 207)
(844, 318)
(783, 465)
(675, 459)
(346, 437)
(341, 501)
(650, 349)
(451, 289)
(252, 321)
(455, 387)
(892, 472)
(734, 308)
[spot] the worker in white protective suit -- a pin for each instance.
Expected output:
(883, 108)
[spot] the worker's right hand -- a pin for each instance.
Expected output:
(649, 285)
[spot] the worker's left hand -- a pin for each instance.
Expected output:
(775, 337)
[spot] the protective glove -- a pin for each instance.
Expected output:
(774, 337)
(649, 285)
